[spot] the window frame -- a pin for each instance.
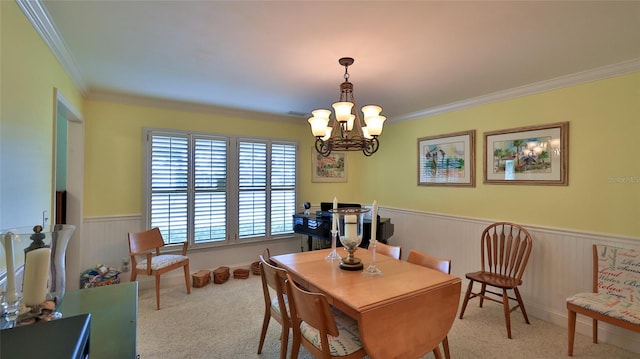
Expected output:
(232, 236)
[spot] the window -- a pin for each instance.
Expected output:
(212, 189)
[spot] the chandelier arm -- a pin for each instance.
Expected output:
(371, 146)
(323, 147)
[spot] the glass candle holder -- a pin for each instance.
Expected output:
(350, 228)
(42, 286)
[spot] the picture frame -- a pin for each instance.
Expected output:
(533, 155)
(332, 168)
(447, 160)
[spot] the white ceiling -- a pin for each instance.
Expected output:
(282, 56)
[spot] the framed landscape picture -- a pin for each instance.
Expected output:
(447, 160)
(332, 168)
(535, 155)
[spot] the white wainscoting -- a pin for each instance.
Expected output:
(105, 241)
(560, 263)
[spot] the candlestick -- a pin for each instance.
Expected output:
(36, 273)
(334, 221)
(374, 221)
(372, 269)
(333, 254)
(11, 267)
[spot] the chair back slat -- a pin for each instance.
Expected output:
(505, 249)
(275, 278)
(312, 308)
(503, 254)
(425, 260)
(389, 250)
(142, 242)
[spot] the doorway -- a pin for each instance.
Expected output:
(69, 178)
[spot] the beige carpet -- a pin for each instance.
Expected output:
(224, 321)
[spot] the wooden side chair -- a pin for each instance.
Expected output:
(324, 331)
(439, 264)
(388, 250)
(276, 307)
(148, 244)
(504, 250)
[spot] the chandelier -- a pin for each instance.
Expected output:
(347, 131)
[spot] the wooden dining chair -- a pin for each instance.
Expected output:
(324, 331)
(276, 307)
(148, 244)
(504, 250)
(389, 250)
(439, 264)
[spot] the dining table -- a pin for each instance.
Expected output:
(403, 313)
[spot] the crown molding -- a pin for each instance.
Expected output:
(193, 107)
(39, 18)
(598, 73)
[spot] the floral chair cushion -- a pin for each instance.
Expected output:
(161, 261)
(347, 342)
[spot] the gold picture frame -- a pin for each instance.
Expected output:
(332, 168)
(533, 155)
(447, 160)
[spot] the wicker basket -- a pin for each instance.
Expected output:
(255, 268)
(220, 275)
(201, 278)
(241, 273)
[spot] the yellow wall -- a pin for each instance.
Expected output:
(604, 173)
(29, 73)
(604, 168)
(113, 147)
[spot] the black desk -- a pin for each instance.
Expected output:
(319, 226)
(66, 338)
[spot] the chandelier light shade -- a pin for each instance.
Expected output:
(347, 132)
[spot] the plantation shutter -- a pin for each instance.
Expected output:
(283, 187)
(169, 186)
(210, 190)
(252, 201)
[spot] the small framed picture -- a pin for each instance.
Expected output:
(447, 160)
(534, 155)
(332, 168)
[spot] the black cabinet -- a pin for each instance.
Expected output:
(66, 338)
